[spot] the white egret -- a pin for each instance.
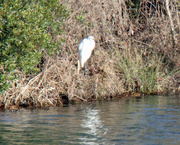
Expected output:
(85, 50)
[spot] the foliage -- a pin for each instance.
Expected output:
(27, 29)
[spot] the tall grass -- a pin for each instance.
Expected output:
(143, 72)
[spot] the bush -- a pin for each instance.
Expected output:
(27, 31)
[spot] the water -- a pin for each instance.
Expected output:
(152, 120)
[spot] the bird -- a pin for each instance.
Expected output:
(85, 49)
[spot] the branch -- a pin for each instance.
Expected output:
(171, 21)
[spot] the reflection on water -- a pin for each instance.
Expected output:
(93, 126)
(150, 120)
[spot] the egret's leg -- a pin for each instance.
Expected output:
(85, 70)
(78, 66)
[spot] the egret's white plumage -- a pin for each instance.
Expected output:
(85, 50)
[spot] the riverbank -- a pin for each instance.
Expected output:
(136, 53)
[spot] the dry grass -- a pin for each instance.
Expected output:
(121, 62)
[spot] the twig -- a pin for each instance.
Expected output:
(81, 98)
(143, 43)
(171, 22)
(44, 74)
(23, 5)
(78, 10)
(27, 86)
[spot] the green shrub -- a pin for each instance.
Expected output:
(27, 29)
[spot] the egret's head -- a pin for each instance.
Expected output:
(91, 37)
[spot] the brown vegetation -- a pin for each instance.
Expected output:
(135, 52)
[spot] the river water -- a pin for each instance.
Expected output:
(150, 120)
